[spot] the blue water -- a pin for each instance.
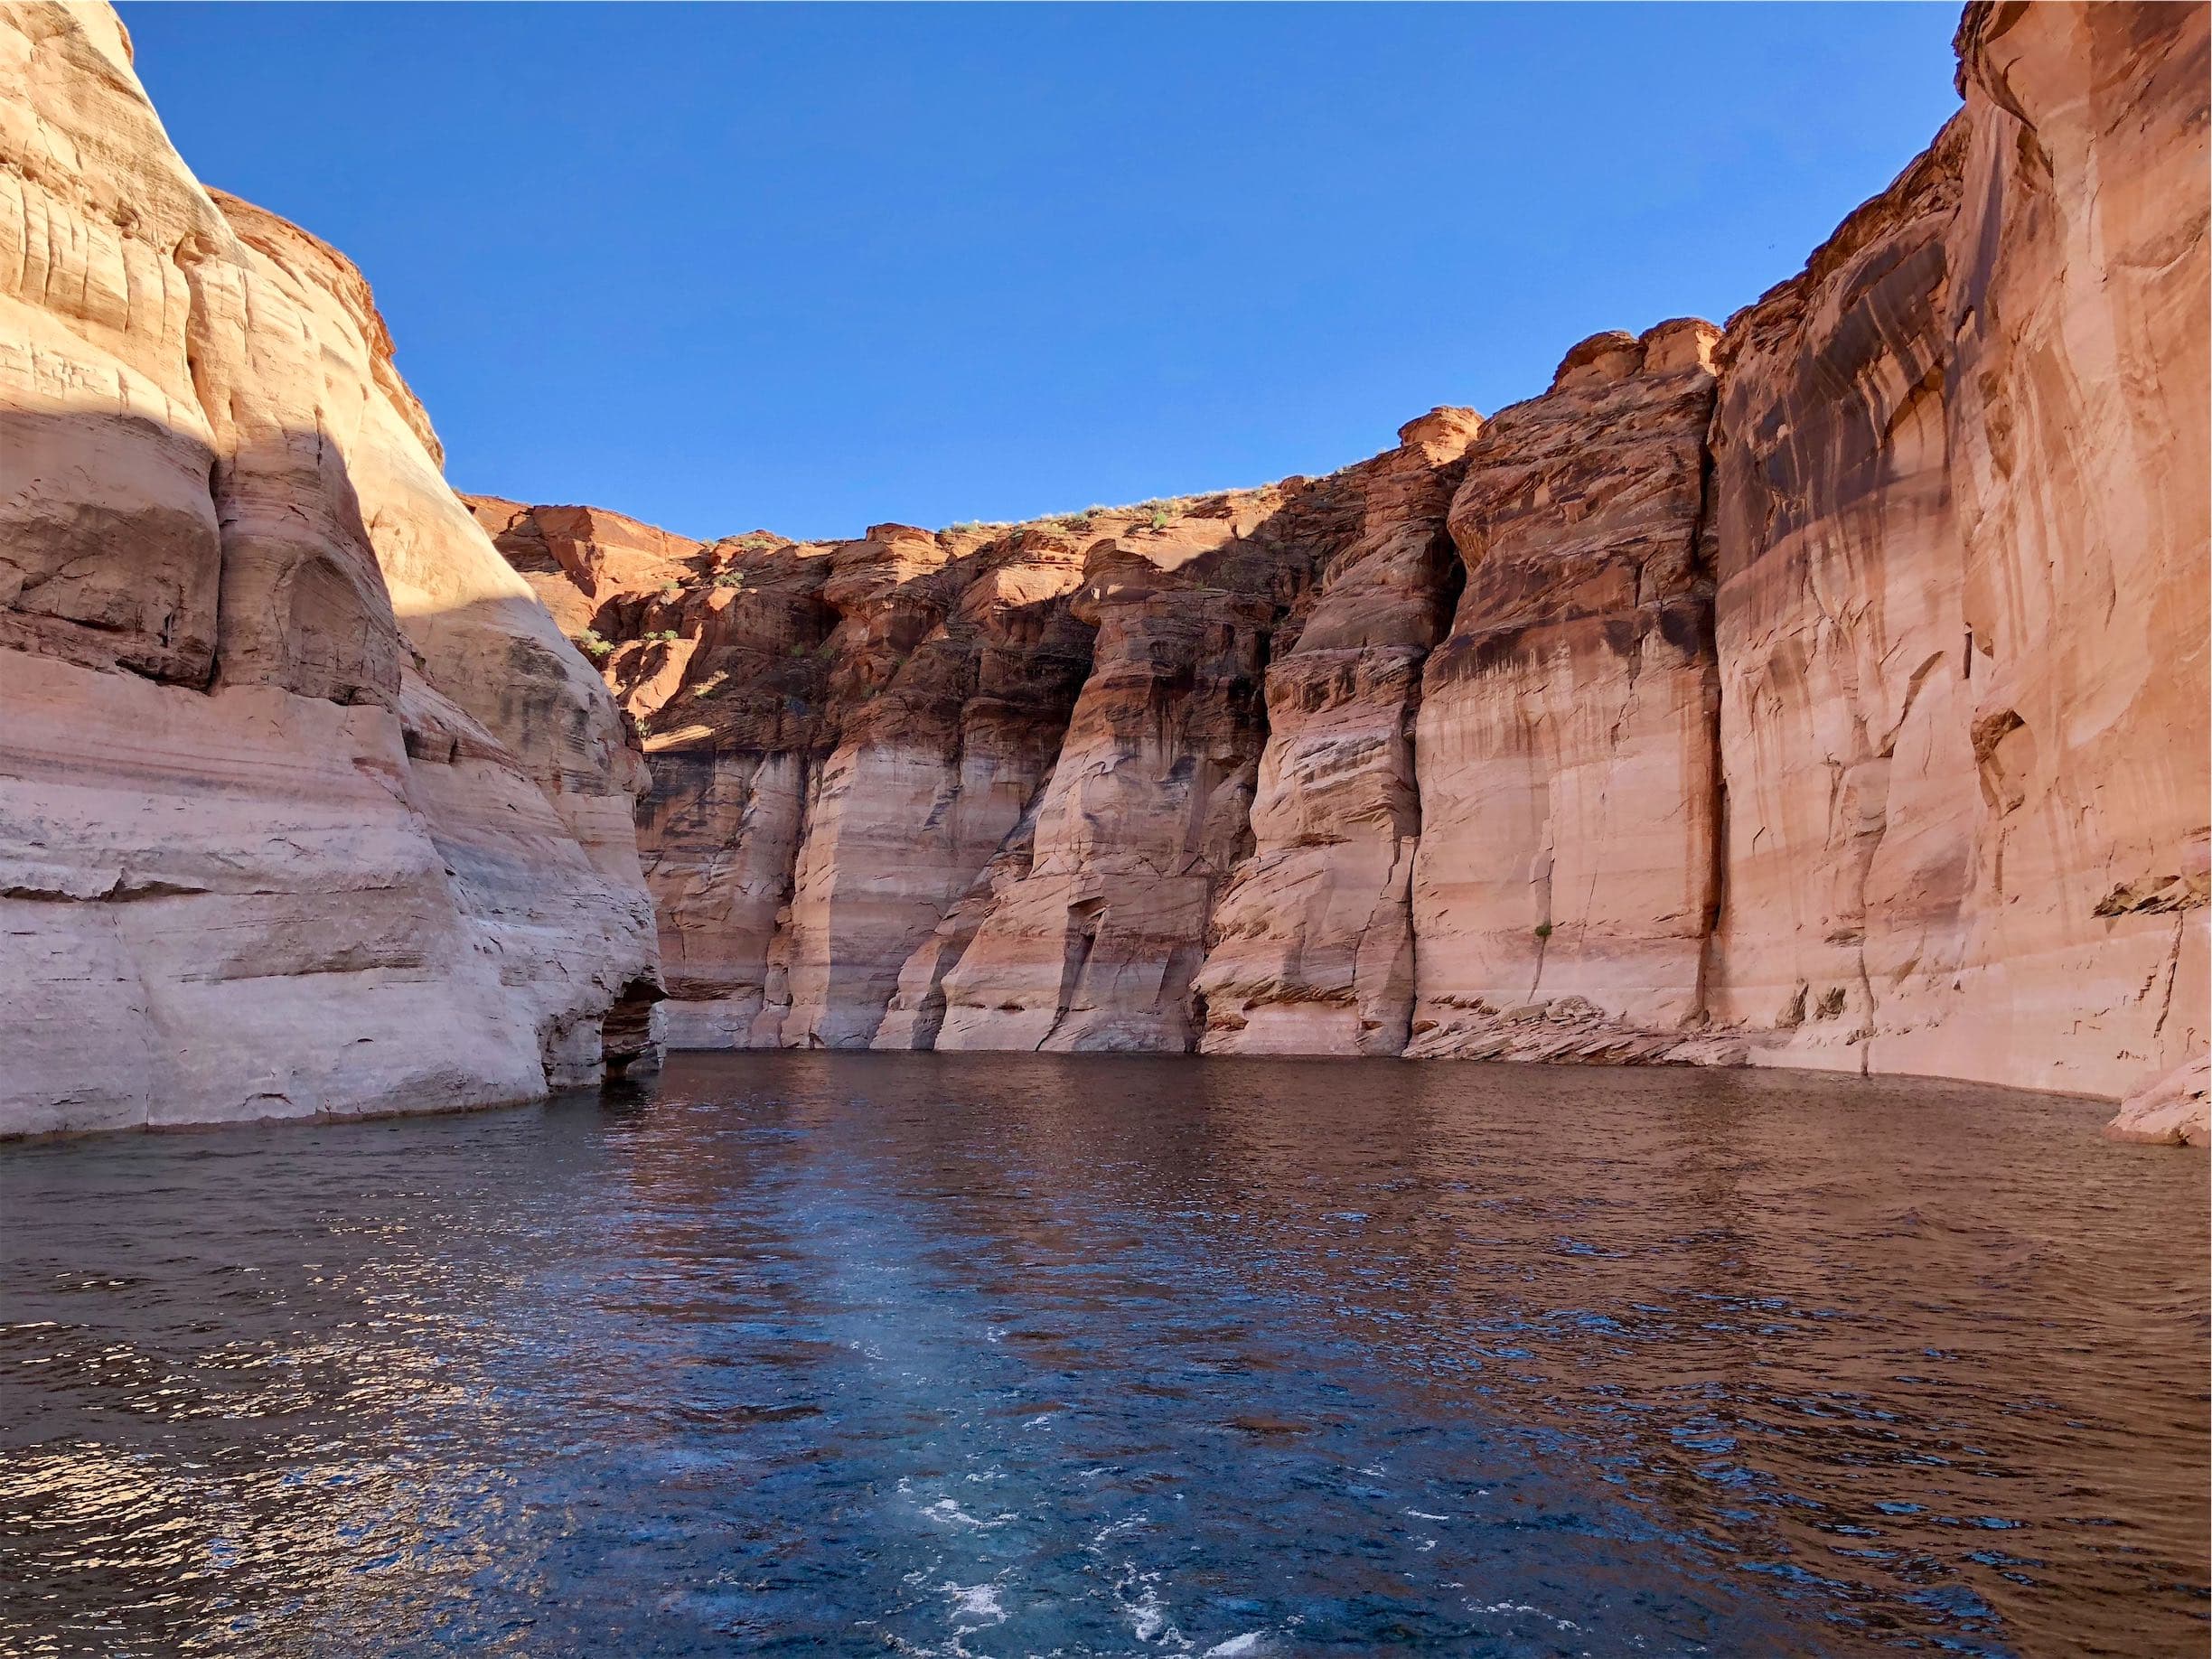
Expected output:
(1010, 1356)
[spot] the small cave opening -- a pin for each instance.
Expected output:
(626, 1044)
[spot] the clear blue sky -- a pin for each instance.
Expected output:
(815, 268)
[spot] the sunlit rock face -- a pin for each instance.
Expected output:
(842, 735)
(2078, 427)
(954, 671)
(306, 807)
(1565, 738)
(1826, 690)
(1312, 949)
(717, 652)
(1097, 948)
(1962, 587)
(2173, 1111)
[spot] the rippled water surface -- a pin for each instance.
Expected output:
(1022, 1356)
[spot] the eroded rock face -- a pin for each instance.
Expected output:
(953, 670)
(2173, 1111)
(1098, 946)
(1959, 612)
(305, 805)
(1314, 938)
(1826, 690)
(1565, 740)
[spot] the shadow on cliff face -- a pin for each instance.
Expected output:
(748, 664)
(128, 544)
(130, 547)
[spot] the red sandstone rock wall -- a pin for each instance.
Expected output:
(1313, 939)
(1961, 550)
(1565, 748)
(1826, 690)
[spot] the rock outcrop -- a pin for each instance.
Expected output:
(1565, 743)
(2173, 1111)
(1313, 948)
(306, 807)
(1828, 689)
(1097, 946)
(1962, 587)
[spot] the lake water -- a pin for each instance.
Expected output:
(1009, 1356)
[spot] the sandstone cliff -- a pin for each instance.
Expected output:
(1961, 558)
(1828, 689)
(306, 807)
(1565, 746)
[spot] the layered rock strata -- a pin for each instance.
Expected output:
(1565, 743)
(1827, 689)
(306, 807)
(1312, 949)
(1097, 947)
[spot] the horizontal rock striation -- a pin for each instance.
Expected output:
(1825, 689)
(1828, 689)
(1565, 744)
(1313, 938)
(306, 807)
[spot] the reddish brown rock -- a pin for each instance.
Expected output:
(1829, 692)
(1962, 587)
(1312, 949)
(1565, 746)
(1097, 947)
(953, 669)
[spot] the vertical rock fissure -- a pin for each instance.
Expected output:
(1707, 583)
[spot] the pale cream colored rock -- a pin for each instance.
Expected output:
(721, 834)
(1860, 725)
(308, 807)
(2173, 1111)
(949, 706)
(231, 904)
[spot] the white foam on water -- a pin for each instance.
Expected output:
(1146, 1612)
(1423, 1514)
(975, 1602)
(952, 1514)
(1238, 1646)
(1521, 1606)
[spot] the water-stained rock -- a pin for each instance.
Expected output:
(306, 807)
(1566, 758)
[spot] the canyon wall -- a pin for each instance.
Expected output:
(307, 806)
(1825, 689)
(1828, 688)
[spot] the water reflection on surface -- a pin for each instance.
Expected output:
(1009, 1356)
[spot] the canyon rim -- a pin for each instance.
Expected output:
(1822, 688)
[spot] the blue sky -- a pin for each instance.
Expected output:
(816, 268)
